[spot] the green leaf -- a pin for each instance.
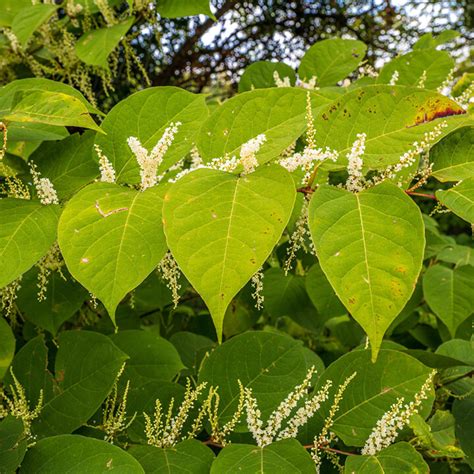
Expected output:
(331, 60)
(52, 108)
(458, 349)
(192, 348)
(270, 364)
(278, 113)
(21, 219)
(63, 298)
(371, 393)
(428, 41)
(400, 457)
(187, 457)
(221, 228)
(95, 46)
(35, 132)
(28, 20)
(111, 238)
(393, 117)
(281, 457)
(370, 246)
(286, 296)
(30, 367)
(7, 348)
(12, 444)
(322, 294)
(459, 199)
(435, 65)
(150, 357)
(86, 367)
(7, 93)
(10, 8)
(68, 163)
(453, 156)
(449, 294)
(260, 75)
(74, 454)
(463, 411)
(146, 115)
(180, 8)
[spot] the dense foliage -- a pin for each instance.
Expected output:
(281, 282)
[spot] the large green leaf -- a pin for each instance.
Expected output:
(434, 64)
(453, 156)
(76, 454)
(277, 113)
(281, 457)
(86, 367)
(146, 115)
(12, 444)
(52, 108)
(95, 46)
(7, 347)
(221, 228)
(450, 294)
(63, 297)
(21, 219)
(260, 75)
(370, 246)
(270, 364)
(331, 60)
(371, 393)
(28, 20)
(188, 457)
(460, 199)
(111, 238)
(463, 411)
(180, 8)
(398, 458)
(10, 8)
(68, 163)
(393, 118)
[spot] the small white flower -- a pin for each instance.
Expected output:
(107, 171)
(285, 82)
(394, 78)
(44, 187)
(248, 153)
(355, 180)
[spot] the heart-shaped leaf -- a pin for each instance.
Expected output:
(370, 246)
(21, 219)
(221, 228)
(111, 238)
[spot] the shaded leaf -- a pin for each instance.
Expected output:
(260, 75)
(28, 20)
(460, 199)
(12, 444)
(7, 347)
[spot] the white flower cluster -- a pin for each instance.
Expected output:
(298, 237)
(422, 80)
(368, 70)
(355, 180)
(417, 148)
(44, 187)
(466, 97)
(248, 153)
(310, 85)
(285, 82)
(394, 78)
(107, 171)
(8, 297)
(386, 430)
(447, 82)
(273, 428)
(149, 162)
(171, 273)
(166, 431)
(51, 262)
(257, 284)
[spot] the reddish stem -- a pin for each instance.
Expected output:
(429, 196)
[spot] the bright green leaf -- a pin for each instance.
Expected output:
(28, 20)
(181, 8)
(450, 294)
(281, 457)
(370, 246)
(111, 238)
(453, 156)
(188, 457)
(7, 346)
(95, 46)
(431, 64)
(221, 228)
(260, 75)
(331, 60)
(75, 454)
(460, 199)
(146, 115)
(21, 219)
(398, 458)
